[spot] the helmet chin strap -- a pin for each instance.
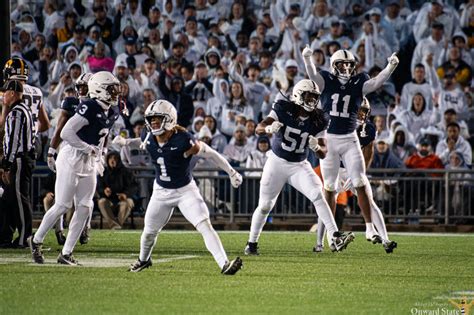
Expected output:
(103, 104)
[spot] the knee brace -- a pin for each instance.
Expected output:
(361, 181)
(265, 206)
(330, 187)
(204, 225)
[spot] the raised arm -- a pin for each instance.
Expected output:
(311, 69)
(375, 83)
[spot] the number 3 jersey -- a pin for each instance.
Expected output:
(342, 101)
(172, 169)
(291, 141)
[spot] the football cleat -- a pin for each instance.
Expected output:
(140, 265)
(375, 239)
(36, 250)
(60, 237)
(389, 246)
(84, 238)
(332, 247)
(67, 260)
(231, 267)
(342, 239)
(251, 249)
(318, 248)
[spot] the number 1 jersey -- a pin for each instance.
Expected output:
(291, 141)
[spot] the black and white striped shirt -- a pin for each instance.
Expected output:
(19, 132)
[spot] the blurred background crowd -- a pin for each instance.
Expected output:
(223, 62)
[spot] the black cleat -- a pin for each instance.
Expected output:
(36, 250)
(67, 260)
(375, 239)
(60, 237)
(390, 246)
(251, 249)
(342, 239)
(231, 267)
(84, 239)
(318, 249)
(140, 265)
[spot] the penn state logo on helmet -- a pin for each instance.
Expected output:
(343, 64)
(306, 94)
(16, 69)
(166, 111)
(104, 87)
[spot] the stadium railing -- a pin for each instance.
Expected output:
(410, 196)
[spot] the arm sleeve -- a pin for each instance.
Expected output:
(313, 73)
(208, 153)
(69, 132)
(375, 83)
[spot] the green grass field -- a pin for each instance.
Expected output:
(423, 273)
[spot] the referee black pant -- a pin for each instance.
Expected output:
(17, 209)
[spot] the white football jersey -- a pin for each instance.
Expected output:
(33, 98)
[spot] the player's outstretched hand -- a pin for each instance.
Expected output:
(235, 179)
(274, 127)
(313, 143)
(393, 59)
(119, 140)
(307, 52)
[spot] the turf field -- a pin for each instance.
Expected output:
(423, 273)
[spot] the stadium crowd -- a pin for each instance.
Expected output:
(222, 63)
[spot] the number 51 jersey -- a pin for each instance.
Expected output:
(291, 141)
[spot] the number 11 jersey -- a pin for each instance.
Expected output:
(342, 101)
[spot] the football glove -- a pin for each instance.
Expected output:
(274, 127)
(307, 52)
(393, 60)
(313, 144)
(50, 159)
(119, 140)
(235, 179)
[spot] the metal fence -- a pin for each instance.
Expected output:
(404, 196)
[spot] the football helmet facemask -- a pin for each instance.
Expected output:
(104, 87)
(166, 111)
(343, 64)
(306, 94)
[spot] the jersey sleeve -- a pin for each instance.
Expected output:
(371, 131)
(68, 105)
(278, 109)
(88, 110)
(187, 140)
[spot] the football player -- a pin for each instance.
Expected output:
(366, 135)
(68, 109)
(342, 91)
(17, 69)
(84, 136)
(171, 148)
(296, 125)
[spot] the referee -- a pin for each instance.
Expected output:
(17, 164)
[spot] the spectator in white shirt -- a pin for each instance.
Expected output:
(453, 142)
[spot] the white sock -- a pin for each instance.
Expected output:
(78, 222)
(147, 242)
(379, 222)
(213, 242)
(325, 215)
(49, 220)
(258, 221)
(89, 219)
(320, 232)
(369, 229)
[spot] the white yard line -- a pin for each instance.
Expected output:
(94, 262)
